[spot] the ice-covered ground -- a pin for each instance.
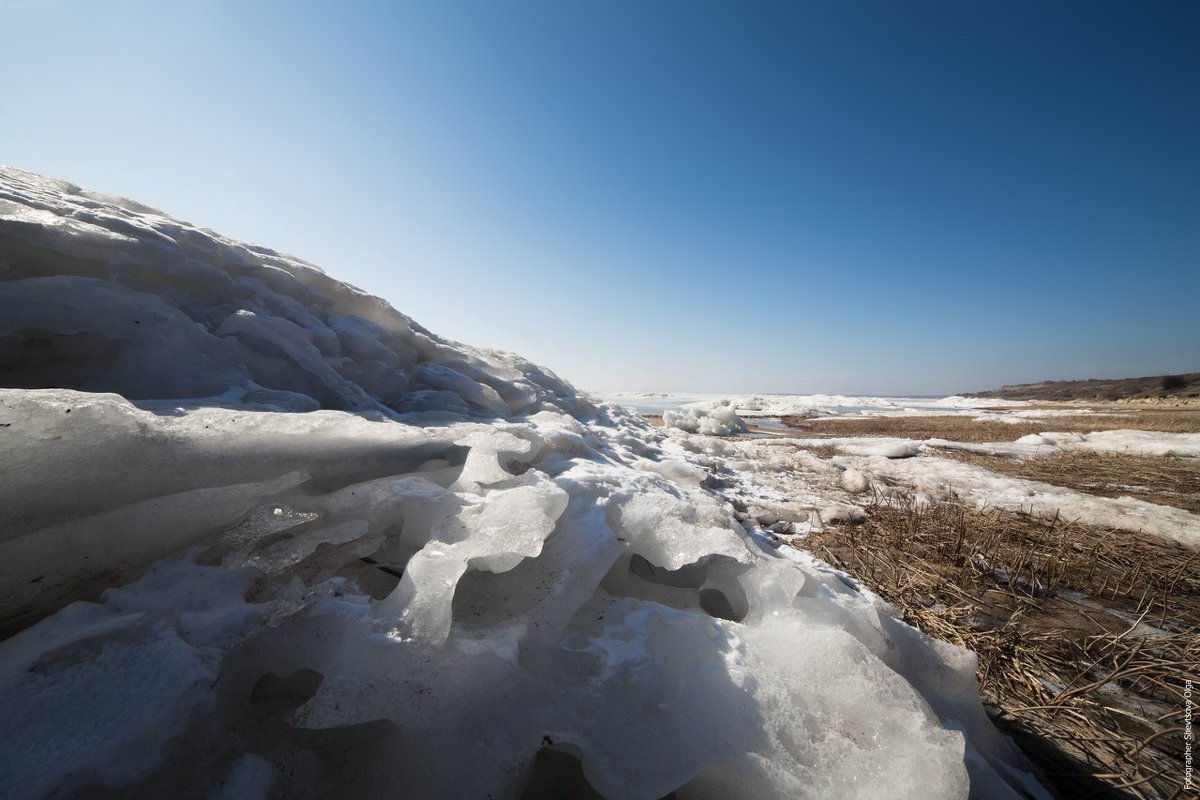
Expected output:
(825, 405)
(886, 461)
(1134, 443)
(720, 415)
(263, 536)
(869, 460)
(780, 476)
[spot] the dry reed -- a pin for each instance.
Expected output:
(1167, 480)
(968, 429)
(1084, 635)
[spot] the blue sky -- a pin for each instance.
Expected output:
(860, 197)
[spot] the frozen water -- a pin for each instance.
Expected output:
(855, 481)
(711, 421)
(263, 536)
(98, 297)
(939, 477)
(821, 405)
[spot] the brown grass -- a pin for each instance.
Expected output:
(958, 429)
(825, 451)
(1050, 608)
(966, 429)
(1165, 480)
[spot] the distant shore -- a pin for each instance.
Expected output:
(1181, 386)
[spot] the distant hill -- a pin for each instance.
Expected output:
(1186, 385)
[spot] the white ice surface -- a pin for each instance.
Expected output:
(100, 295)
(825, 405)
(778, 468)
(1135, 443)
(711, 421)
(938, 477)
(269, 537)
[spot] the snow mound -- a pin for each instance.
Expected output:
(106, 296)
(452, 576)
(712, 421)
(856, 481)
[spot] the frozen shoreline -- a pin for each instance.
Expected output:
(321, 551)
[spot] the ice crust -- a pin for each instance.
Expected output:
(1137, 443)
(868, 459)
(778, 477)
(266, 537)
(938, 478)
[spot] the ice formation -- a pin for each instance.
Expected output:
(723, 415)
(865, 459)
(834, 405)
(711, 421)
(263, 536)
(1137, 443)
(939, 477)
(781, 477)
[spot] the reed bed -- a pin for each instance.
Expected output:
(969, 429)
(1167, 480)
(1085, 635)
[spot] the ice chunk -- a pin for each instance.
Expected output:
(671, 532)
(41, 569)
(855, 481)
(493, 534)
(440, 376)
(93, 694)
(681, 472)
(858, 747)
(136, 695)
(490, 451)
(719, 421)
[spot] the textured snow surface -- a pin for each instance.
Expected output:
(833, 405)
(940, 477)
(1135, 443)
(98, 295)
(781, 476)
(716, 421)
(262, 536)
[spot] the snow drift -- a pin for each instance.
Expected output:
(263, 536)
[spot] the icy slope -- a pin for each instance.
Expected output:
(106, 295)
(458, 579)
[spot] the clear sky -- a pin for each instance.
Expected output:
(841, 196)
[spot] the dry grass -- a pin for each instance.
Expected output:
(966, 429)
(954, 428)
(825, 451)
(1052, 610)
(1165, 480)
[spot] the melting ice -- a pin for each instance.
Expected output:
(263, 536)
